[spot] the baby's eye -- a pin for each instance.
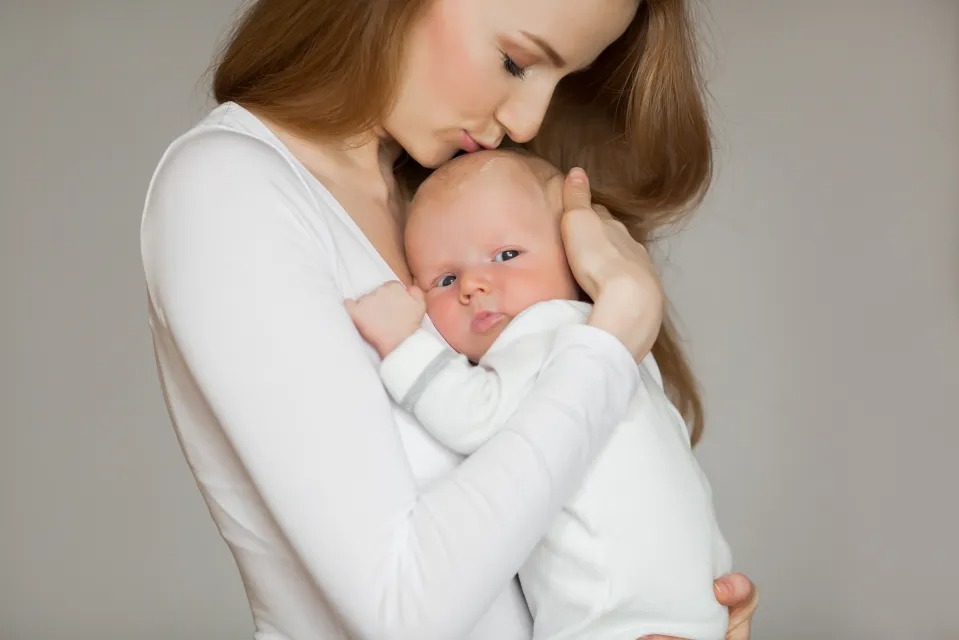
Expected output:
(445, 281)
(503, 256)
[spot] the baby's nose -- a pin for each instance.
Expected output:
(472, 284)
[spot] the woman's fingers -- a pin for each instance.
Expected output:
(741, 631)
(603, 212)
(581, 229)
(586, 247)
(576, 193)
(737, 592)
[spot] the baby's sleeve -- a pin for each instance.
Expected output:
(460, 404)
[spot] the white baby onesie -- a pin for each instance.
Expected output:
(636, 551)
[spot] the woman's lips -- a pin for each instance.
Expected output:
(469, 144)
(486, 320)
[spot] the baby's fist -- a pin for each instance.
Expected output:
(388, 315)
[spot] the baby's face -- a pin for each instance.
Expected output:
(484, 245)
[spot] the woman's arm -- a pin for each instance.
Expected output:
(244, 282)
(616, 272)
(737, 592)
(461, 405)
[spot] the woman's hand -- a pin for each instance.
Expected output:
(614, 270)
(738, 593)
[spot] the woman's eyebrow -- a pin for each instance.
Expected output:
(550, 52)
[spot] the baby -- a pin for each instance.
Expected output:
(637, 549)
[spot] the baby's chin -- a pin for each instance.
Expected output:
(473, 351)
(478, 347)
(476, 356)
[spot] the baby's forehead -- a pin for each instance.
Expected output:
(501, 170)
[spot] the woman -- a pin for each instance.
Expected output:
(346, 520)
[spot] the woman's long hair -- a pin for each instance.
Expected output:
(635, 120)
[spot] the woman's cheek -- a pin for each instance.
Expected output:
(460, 64)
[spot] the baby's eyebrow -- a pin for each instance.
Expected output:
(431, 273)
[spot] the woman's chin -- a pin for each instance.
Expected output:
(431, 158)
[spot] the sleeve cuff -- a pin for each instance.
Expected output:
(404, 366)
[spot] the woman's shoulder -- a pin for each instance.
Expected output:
(231, 160)
(224, 180)
(230, 141)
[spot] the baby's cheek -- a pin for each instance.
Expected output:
(563, 282)
(444, 318)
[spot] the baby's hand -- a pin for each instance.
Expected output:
(388, 315)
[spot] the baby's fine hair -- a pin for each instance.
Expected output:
(467, 164)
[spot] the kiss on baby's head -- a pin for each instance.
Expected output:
(483, 241)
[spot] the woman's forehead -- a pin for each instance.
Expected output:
(576, 30)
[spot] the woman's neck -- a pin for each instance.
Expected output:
(359, 173)
(365, 159)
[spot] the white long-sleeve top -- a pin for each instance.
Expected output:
(346, 519)
(636, 550)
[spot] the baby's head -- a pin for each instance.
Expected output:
(483, 241)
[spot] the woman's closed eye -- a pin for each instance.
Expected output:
(512, 68)
(506, 254)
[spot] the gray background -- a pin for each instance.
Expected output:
(817, 287)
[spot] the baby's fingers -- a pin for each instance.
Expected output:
(416, 293)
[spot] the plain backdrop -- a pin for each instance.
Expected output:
(818, 289)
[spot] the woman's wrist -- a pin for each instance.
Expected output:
(620, 309)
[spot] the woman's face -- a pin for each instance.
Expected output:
(479, 70)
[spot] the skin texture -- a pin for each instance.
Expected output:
(473, 68)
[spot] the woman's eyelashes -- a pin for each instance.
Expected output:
(512, 68)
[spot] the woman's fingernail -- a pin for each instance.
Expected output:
(577, 174)
(721, 587)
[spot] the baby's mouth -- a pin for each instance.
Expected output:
(486, 320)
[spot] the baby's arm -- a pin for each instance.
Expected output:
(461, 405)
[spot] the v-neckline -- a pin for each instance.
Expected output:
(355, 229)
(323, 191)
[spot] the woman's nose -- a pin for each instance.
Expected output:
(522, 115)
